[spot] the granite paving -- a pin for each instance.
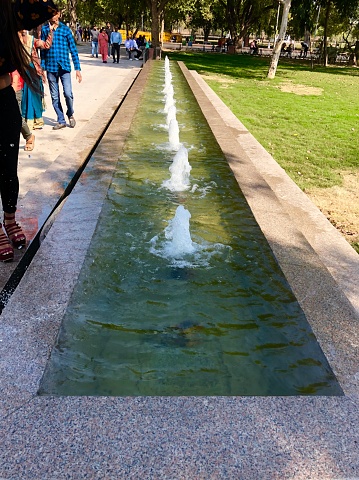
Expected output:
(47, 437)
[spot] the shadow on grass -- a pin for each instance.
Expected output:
(246, 66)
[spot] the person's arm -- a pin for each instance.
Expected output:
(74, 56)
(45, 44)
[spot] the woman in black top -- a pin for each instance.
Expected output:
(14, 16)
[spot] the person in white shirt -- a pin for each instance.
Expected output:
(128, 46)
(136, 49)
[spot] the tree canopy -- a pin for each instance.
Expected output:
(240, 18)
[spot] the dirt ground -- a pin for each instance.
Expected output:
(341, 205)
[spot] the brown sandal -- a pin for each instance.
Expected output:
(30, 144)
(6, 250)
(14, 232)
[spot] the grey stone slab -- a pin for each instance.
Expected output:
(332, 318)
(184, 437)
(287, 243)
(28, 330)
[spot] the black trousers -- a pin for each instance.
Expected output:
(116, 51)
(10, 126)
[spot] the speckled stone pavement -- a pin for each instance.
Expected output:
(182, 437)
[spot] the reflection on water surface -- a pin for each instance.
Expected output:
(220, 321)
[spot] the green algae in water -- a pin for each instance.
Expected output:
(139, 324)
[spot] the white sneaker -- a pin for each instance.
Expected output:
(136, 58)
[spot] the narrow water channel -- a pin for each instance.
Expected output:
(220, 320)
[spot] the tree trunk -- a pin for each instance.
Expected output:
(206, 32)
(71, 6)
(356, 53)
(155, 27)
(352, 60)
(283, 28)
(231, 19)
(325, 40)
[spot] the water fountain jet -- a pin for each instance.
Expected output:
(173, 133)
(180, 172)
(169, 101)
(179, 242)
(171, 114)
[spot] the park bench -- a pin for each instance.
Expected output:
(171, 46)
(201, 47)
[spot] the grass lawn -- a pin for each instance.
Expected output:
(307, 119)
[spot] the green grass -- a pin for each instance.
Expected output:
(313, 137)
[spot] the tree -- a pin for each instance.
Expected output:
(72, 11)
(205, 15)
(118, 12)
(278, 46)
(351, 37)
(345, 8)
(157, 9)
(243, 16)
(304, 15)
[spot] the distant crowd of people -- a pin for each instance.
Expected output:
(106, 41)
(287, 48)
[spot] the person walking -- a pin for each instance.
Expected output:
(56, 62)
(94, 41)
(103, 44)
(32, 104)
(115, 41)
(14, 16)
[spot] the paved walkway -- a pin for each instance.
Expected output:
(45, 172)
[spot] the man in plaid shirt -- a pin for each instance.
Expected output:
(56, 62)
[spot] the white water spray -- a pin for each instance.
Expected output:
(173, 134)
(169, 101)
(171, 114)
(180, 171)
(177, 233)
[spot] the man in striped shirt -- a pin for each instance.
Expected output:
(56, 62)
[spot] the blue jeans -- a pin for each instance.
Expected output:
(94, 49)
(53, 79)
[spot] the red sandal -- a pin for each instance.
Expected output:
(6, 250)
(14, 232)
